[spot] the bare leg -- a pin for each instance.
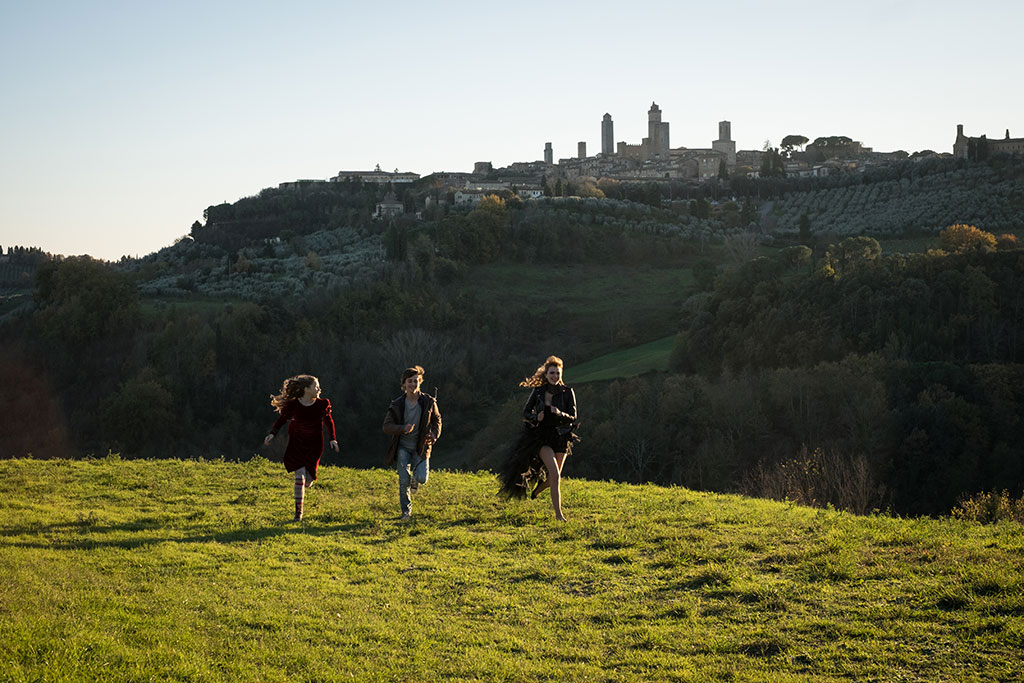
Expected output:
(553, 462)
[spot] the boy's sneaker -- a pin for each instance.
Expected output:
(414, 486)
(406, 516)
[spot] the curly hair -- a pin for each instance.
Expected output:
(537, 378)
(292, 388)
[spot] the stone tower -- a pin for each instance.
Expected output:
(724, 131)
(549, 154)
(581, 150)
(607, 136)
(961, 143)
(657, 133)
(726, 144)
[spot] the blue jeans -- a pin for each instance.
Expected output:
(410, 465)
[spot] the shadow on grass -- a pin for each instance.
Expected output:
(89, 531)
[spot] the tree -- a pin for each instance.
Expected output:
(805, 229)
(961, 238)
(831, 147)
(791, 141)
(81, 300)
(700, 208)
(723, 170)
(772, 164)
(704, 273)
(587, 188)
(748, 214)
(396, 242)
(855, 252)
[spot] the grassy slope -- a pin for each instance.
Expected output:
(627, 363)
(183, 570)
(590, 304)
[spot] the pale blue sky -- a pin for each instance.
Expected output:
(122, 121)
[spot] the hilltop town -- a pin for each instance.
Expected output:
(654, 159)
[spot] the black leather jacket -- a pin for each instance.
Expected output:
(563, 408)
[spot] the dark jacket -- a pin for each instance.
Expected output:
(563, 408)
(430, 425)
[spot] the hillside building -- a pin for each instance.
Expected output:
(388, 207)
(376, 176)
(963, 144)
(725, 144)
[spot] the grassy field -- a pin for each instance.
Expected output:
(187, 571)
(626, 363)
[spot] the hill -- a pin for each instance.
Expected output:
(899, 368)
(121, 570)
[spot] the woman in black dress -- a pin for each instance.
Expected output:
(549, 424)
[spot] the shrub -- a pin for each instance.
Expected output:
(991, 507)
(1006, 241)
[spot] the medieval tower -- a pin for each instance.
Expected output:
(657, 134)
(726, 144)
(607, 136)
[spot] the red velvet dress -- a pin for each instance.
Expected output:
(305, 433)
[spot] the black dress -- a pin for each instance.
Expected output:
(522, 466)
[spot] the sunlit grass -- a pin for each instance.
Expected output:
(182, 570)
(626, 363)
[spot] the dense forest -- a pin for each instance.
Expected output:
(897, 383)
(810, 363)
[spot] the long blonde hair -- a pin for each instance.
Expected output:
(537, 379)
(292, 388)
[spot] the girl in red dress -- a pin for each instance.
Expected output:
(300, 402)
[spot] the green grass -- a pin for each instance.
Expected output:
(626, 363)
(186, 571)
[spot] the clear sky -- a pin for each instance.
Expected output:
(121, 121)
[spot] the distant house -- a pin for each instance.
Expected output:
(300, 184)
(453, 179)
(530, 192)
(376, 176)
(492, 185)
(388, 207)
(469, 197)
